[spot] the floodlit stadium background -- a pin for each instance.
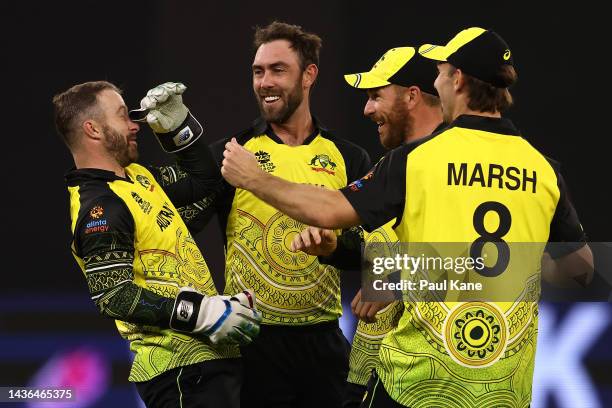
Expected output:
(50, 333)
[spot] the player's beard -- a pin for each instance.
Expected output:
(400, 125)
(119, 147)
(290, 100)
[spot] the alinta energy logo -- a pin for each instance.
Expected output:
(321, 162)
(96, 212)
(263, 158)
(97, 224)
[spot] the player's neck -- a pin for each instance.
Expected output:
(468, 111)
(297, 128)
(94, 160)
(424, 123)
(463, 109)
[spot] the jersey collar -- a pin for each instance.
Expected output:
(77, 176)
(493, 125)
(261, 127)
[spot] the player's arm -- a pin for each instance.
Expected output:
(573, 270)
(568, 261)
(196, 177)
(371, 201)
(108, 256)
(340, 251)
(309, 204)
(197, 215)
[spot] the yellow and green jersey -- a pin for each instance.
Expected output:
(368, 336)
(136, 252)
(291, 288)
(475, 181)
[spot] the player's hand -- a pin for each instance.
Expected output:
(166, 111)
(315, 241)
(366, 311)
(222, 319)
(239, 167)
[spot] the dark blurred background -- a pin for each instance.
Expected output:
(49, 329)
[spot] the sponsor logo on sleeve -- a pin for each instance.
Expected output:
(96, 212)
(358, 184)
(93, 226)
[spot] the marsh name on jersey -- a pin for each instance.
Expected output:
(484, 175)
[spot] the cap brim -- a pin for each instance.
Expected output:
(434, 52)
(365, 80)
(138, 115)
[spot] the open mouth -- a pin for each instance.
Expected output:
(271, 99)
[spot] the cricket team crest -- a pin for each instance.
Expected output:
(321, 162)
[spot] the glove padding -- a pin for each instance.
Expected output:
(165, 106)
(170, 120)
(222, 319)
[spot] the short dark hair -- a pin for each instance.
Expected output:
(307, 45)
(71, 105)
(484, 97)
(430, 100)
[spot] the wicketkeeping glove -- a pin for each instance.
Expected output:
(222, 319)
(163, 109)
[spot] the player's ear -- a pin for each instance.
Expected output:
(412, 96)
(92, 129)
(458, 80)
(310, 75)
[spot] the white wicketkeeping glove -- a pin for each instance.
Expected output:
(163, 109)
(165, 105)
(223, 319)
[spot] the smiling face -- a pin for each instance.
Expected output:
(386, 106)
(277, 81)
(119, 131)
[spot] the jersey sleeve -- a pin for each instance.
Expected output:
(104, 240)
(379, 196)
(566, 233)
(195, 177)
(347, 255)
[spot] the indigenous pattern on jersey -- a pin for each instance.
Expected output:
(368, 336)
(136, 252)
(292, 288)
(476, 179)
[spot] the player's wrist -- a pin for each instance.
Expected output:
(186, 310)
(257, 181)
